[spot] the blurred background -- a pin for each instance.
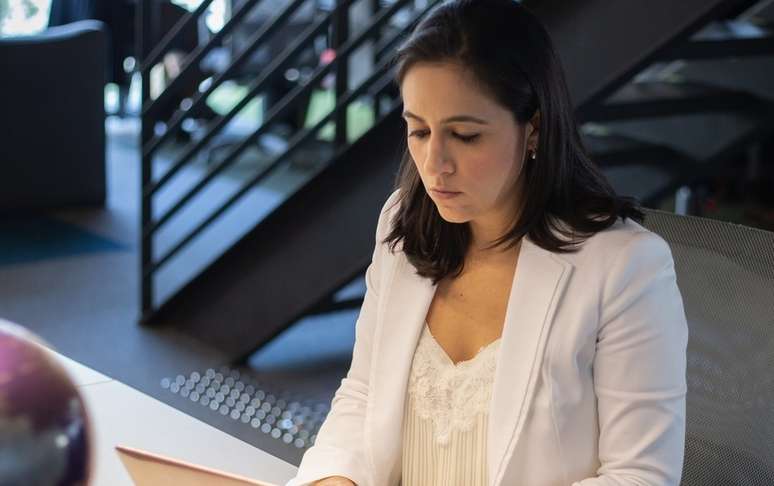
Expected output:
(192, 186)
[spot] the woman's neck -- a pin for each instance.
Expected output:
(494, 256)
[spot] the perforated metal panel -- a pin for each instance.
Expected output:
(261, 406)
(725, 273)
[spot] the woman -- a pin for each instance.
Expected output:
(519, 326)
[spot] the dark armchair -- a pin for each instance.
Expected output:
(52, 128)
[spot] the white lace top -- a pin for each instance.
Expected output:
(444, 431)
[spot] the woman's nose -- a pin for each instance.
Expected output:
(437, 159)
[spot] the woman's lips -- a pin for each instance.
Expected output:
(444, 194)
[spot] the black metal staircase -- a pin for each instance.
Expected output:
(643, 91)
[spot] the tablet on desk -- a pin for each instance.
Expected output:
(148, 469)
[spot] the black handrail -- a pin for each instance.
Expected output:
(255, 41)
(284, 104)
(293, 144)
(173, 36)
(340, 36)
(149, 106)
(298, 45)
(377, 81)
(143, 37)
(279, 63)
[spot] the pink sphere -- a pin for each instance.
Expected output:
(44, 432)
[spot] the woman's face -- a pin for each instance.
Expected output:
(461, 140)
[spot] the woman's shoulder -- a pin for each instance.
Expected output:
(624, 238)
(392, 202)
(389, 209)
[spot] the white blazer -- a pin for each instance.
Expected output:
(591, 373)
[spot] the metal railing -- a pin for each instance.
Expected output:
(334, 24)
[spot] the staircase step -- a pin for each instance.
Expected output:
(615, 150)
(659, 99)
(715, 49)
(635, 168)
(297, 257)
(643, 182)
(753, 75)
(697, 136)
(617, 29)
(230, 228)
(742, 37)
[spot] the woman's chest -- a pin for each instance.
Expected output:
(468, 313)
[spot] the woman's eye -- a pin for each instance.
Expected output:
(467, 138)
(463, 138)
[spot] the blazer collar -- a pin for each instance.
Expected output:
(538, 284)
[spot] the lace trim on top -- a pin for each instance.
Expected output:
(450, 395)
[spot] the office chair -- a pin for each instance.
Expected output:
(725, 273)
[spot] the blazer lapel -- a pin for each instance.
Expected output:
(539, 281)
(538, 285)
(397, 336)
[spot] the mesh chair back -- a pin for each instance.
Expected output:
(725, 273)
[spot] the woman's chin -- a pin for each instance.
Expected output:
(451, 216)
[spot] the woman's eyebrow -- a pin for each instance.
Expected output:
(451, 119)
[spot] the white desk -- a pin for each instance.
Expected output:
(122, 415)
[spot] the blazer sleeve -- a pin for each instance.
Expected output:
(640, 369)
(339, 449)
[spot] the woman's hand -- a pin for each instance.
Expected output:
(334, 481)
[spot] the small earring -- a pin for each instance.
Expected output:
(534, 155)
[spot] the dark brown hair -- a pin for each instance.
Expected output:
(510, 54)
